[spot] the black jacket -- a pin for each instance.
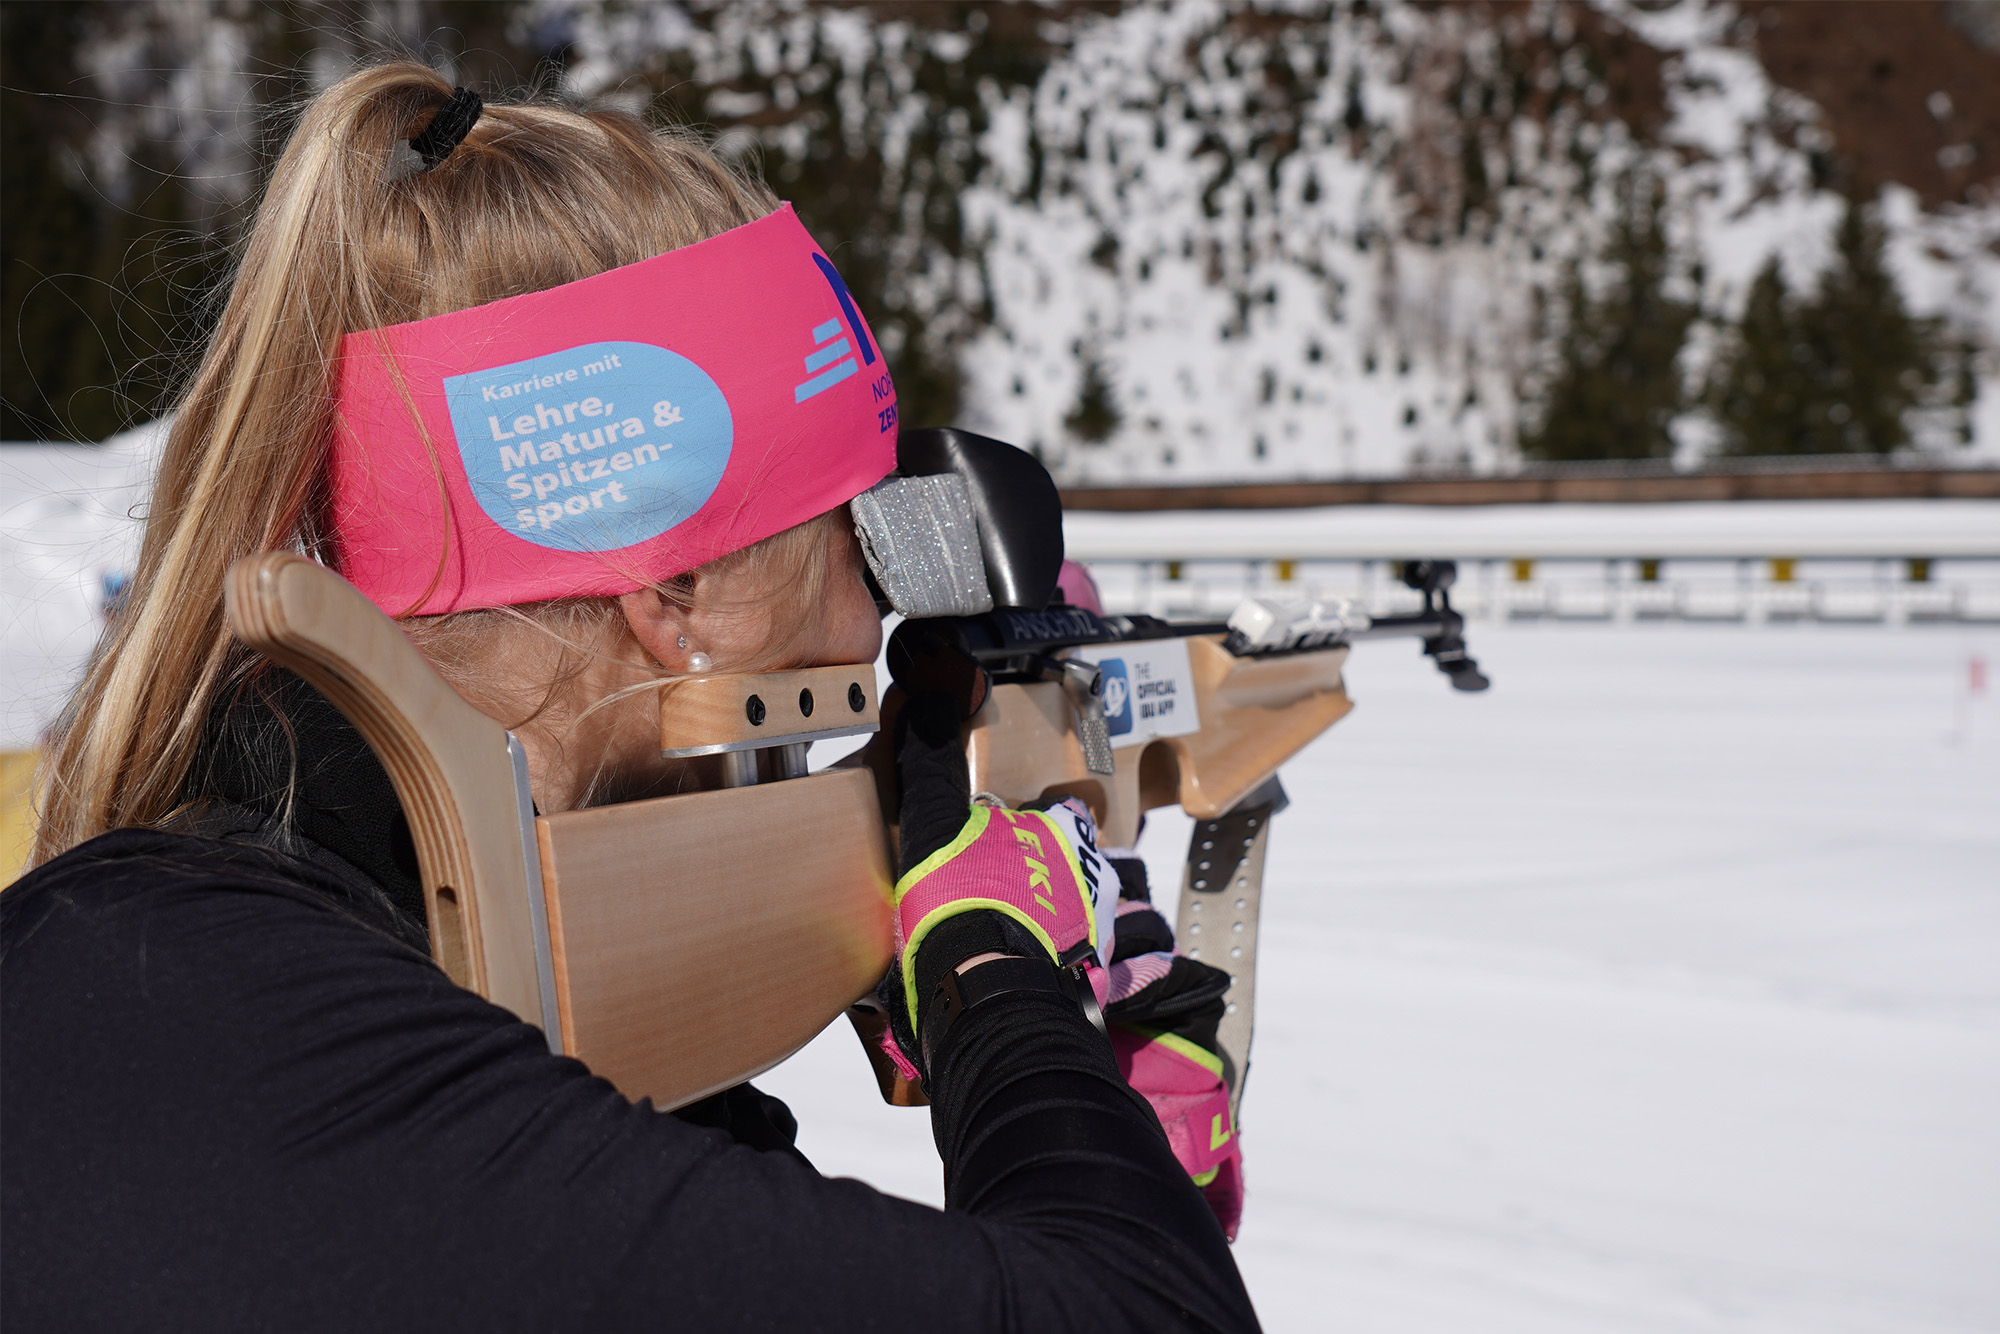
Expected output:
(236, 1093)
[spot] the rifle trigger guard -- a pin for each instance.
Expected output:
(1083, 682)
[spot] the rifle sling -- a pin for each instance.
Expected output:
(1221, 892)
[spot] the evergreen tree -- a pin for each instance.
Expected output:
(1766, 392)
(1095, 416)
(53, 302)
(1837, 372)
(1618, 383)
(1881, 359)
(109, 282)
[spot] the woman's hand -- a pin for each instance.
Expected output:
(1163, 1010)
(980, 880)
(1010, 883)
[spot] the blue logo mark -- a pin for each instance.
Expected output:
(827, 351)
(846, 301)
(1117, 696)
(594, 448)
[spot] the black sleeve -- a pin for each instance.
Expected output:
(230, 1105)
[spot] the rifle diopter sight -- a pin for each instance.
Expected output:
(1446, 647)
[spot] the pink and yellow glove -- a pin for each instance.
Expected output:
(1164, 1008)
(1183, 1082)
(982, 879)
(1028, 882)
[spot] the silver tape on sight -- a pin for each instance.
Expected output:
(922, 543)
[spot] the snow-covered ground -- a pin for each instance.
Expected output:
(1656, 990)
(69, 516)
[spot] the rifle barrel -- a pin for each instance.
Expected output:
(1425, 624)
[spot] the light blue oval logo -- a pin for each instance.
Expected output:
(594, 448)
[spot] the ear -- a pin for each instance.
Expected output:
(660, 626)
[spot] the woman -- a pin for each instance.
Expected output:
(237, 1092)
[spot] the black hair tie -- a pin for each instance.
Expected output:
(447, 130)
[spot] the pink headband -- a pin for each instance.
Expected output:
(610, 433)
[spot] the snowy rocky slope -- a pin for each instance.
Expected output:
(1323, 248)
(1186, 240)
(1203, 240)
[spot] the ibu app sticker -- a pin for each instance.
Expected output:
(594, 448)
(1117, 696)
(1148, 690)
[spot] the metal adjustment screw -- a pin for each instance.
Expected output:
(806, 703)
(753, 709)
(857, 699)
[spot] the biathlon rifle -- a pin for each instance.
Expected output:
(679, 945)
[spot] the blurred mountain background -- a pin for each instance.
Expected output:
(1170, 242)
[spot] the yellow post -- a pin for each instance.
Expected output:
(1524, 570)
(1781, 569)
(17, 812)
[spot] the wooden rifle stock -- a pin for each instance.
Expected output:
(676, 945)
(679, 945)
(1255, 713)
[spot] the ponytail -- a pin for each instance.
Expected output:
(535, 197)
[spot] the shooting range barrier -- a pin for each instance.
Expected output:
(1868, 562)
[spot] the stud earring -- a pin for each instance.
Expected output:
(682, 641)
(698, 662)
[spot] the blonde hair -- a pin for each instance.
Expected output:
(537, 195)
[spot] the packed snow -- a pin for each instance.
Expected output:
(70, 515)
(1655, 990)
